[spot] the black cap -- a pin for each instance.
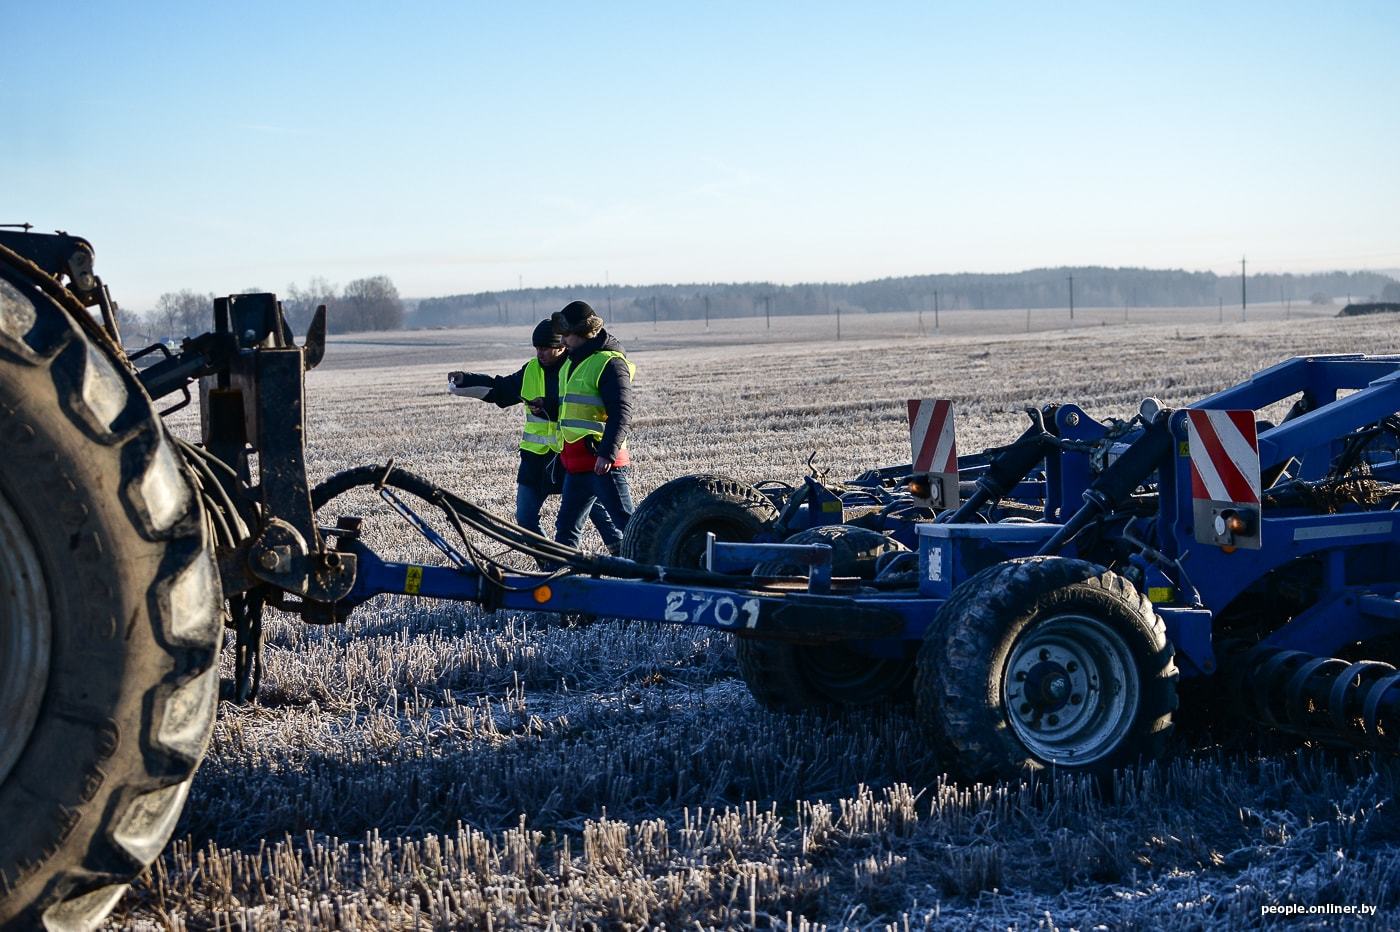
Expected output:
(545, 335)
(578, 317)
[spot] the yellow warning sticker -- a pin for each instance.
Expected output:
(413, 580)
(830, 507)
(1158, 594)
(1183, 448)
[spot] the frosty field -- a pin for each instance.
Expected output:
(429, 766)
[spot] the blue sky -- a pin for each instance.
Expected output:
(463, 147)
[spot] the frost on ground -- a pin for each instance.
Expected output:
(430, 766)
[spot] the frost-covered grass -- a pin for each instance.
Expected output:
(429, 766)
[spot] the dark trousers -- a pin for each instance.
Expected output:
(584, 491)
(529, 499)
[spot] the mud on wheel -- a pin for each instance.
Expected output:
(669, 526)
(825, 677)
(109, 618)
(1046, 662)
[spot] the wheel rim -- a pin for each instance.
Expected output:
(25, 636)
(1071, 690)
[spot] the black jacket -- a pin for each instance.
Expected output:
(506, 389)
(615, 387)
(537, 470)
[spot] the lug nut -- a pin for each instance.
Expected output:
(267, 560)
(1071, 666)
(1054, 720)
(1025, 708)
(1076, 699)
(1044, 654)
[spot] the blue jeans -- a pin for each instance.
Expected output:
(584, 491)
(529, 499)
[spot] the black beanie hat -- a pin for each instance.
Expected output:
(578, 317)
(545, 336)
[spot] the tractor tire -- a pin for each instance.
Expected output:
(794, 678)
(668, 528)
(110, 619)
(1091, 645)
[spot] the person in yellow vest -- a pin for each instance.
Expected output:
(593, 421)
(539, 386)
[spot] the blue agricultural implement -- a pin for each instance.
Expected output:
(1037, 603)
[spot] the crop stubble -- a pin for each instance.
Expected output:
(429, 766)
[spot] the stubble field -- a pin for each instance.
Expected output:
(429, 766)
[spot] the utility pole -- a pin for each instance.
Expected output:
(1244, 305)
(838, 320)
(1222, 310)
(607, 285)
(707, 312)
(653, 312)
(1071, 300)
(921, 318)
(935, 310)
(768, 312)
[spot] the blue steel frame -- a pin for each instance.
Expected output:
(1189, 583)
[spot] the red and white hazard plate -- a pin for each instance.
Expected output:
(933, 441)
(1224, 449)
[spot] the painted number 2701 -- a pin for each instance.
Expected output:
(728, 612)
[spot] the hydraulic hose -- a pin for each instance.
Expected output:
(504, 531)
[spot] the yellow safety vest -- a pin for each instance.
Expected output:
(581, 414)
(541, 435)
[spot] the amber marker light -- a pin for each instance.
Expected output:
(543, 594)
(1236, 524)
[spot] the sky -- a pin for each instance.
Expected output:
(460, 147)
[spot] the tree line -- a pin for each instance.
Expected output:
(364, 304)
(1094, 286)
(374, 303)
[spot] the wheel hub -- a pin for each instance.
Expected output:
(25, 636)
(1071, 689)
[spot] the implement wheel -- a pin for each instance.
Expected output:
(793, 677)
(109, 619)
(1044, 663)
(668, 528)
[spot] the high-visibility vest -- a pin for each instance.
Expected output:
(541, 435)
(581, 414)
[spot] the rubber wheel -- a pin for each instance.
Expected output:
(793, 678)
(1045, 662)
(109, 620)
(668, 528)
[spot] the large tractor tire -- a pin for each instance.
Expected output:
(668, 528)
(109, 620)
(793, 678)
(1046, 663)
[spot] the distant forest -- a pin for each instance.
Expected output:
(1038, 288)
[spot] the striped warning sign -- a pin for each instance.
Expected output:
(1224, 456)
(931, 436)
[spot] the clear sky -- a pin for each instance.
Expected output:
(463, 146)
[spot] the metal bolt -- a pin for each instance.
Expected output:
(1025, 708)
(1044, 654)
(1054, 720)
(268, 560)
(1076, 699)
(1072, 419)
(1020, 676)
(1072, 666)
